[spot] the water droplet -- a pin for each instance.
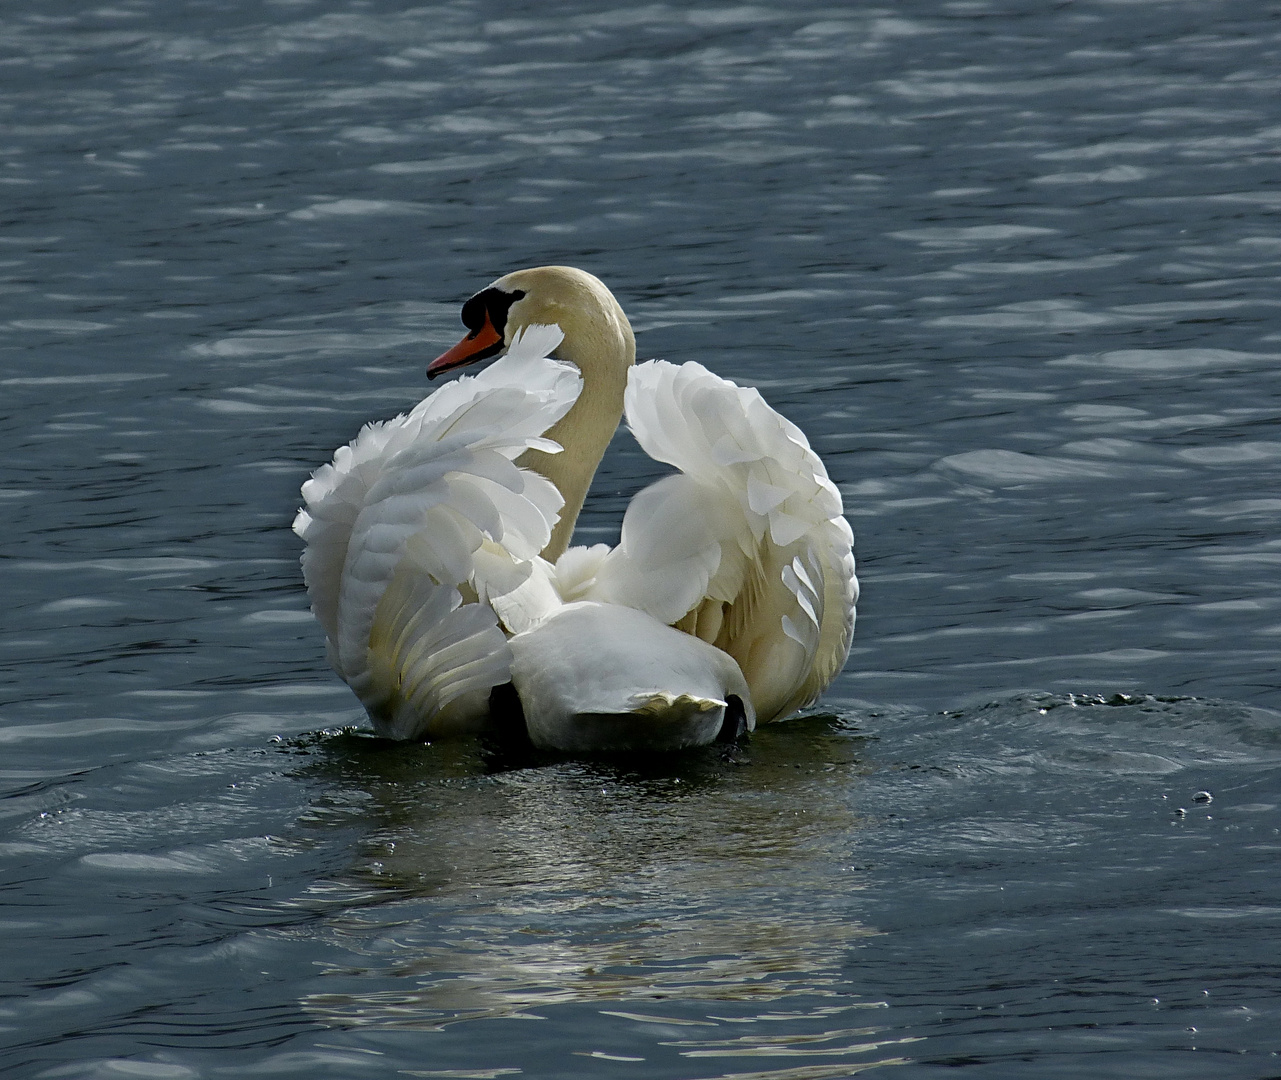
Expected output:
(1180, 812)
(1203, 796)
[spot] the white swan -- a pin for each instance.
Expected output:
(436, 544)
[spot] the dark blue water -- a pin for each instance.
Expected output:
(1014, 267)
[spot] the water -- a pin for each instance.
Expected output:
(1014, 268)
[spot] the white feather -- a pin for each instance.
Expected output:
(733, 579)
(756, 523)
(411, 501)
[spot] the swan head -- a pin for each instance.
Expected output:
(597, 340)
(598, 337)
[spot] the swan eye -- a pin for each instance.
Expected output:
(491, 302)
(485, 316)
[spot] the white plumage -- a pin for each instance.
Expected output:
(435, 543)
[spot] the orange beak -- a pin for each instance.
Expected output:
(477, 345)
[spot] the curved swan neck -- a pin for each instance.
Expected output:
(599, 342)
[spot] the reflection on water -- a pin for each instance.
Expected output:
(701, 880)
(868, 887)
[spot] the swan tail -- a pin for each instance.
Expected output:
(641, 684)
(663, 702)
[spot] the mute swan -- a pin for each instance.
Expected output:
(437, 559)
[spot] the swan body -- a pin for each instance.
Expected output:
(594, 676)
(437, 550)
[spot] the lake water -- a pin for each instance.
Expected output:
(1012, 265)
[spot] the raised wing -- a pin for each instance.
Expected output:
(746, 548)
(414, 517)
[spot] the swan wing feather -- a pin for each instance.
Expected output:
(429, 655)
(747, 548)
(396, 520)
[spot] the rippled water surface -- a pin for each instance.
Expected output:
(1014, 268)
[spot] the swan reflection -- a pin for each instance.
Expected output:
(710, 878)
